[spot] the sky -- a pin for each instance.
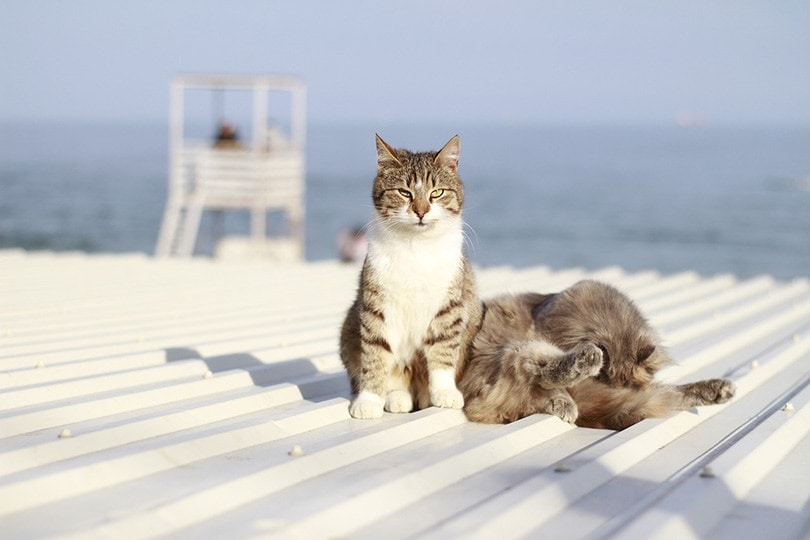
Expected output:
(418, 61)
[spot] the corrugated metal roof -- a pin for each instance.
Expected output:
(192, 399)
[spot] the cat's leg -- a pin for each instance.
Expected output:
(442, 348)
(552, 368)
(376, 361)
(442, 385)
(603, 406)
(665, 399)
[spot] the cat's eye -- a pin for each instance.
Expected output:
(405, 193)
(436, 193)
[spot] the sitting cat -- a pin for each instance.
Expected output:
(406, 336)
(586, 355)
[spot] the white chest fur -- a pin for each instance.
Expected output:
(414, 275)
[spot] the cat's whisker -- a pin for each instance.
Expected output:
(368, 226)
(379, 227)
(470, 237)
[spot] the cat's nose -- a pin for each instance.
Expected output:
(420, 209)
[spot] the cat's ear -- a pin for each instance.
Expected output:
(385, 154)
(645, 353)
(448, 155)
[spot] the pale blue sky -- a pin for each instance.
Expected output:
(732, 61)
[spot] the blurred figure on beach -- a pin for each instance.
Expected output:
(226, 136)
(352, 245)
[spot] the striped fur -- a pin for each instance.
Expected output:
(407, 335)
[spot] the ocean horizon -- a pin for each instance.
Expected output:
(709, 199)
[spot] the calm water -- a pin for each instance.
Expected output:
(713, 200)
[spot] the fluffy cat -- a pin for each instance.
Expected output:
(586, 355)
(406, 336)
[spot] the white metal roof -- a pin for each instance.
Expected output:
(197, 399)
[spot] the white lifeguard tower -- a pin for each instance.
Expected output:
(221, 171)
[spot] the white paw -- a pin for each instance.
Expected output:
(399, 401)
(366, 405)
(449, 398)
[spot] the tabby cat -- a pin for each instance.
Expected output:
(586, 355)
(406, 337)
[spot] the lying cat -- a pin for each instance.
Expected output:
(406, 336)
(586, 355)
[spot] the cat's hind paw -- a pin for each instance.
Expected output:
(449, 398)
(366, 405)
(707, 392)
(399, 401)
(563, 407)
(720, 390)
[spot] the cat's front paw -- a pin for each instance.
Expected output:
(399, 401)
(449, 398)
(581, 362)
(366, 405)
(588, 359)
(564, 408)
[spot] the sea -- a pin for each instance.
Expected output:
(710, 199)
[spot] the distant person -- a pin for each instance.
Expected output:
(226, 137)
(352, 245)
